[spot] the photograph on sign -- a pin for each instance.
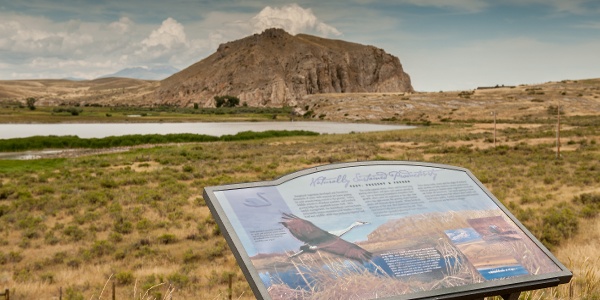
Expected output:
(367, 232)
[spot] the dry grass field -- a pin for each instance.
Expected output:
(138, 217)
(104, 91)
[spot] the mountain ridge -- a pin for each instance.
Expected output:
(144, 73)
(275, 68)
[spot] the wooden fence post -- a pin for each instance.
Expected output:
(230, 286)
(6, 294)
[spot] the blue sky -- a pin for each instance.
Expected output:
(442, 44)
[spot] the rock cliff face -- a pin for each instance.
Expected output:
(275, 68)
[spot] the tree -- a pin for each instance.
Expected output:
(226, 101)
(31, 103)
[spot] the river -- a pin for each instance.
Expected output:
(100, 130)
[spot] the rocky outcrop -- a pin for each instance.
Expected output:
(275, 68)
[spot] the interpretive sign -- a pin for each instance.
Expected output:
(379, 229)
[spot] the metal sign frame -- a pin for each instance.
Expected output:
(367, 176)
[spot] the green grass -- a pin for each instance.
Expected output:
(140, 214)
(72, 142)
(14, 114)
(30, 166)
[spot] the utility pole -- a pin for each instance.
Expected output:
(558, 130)
(494, 113)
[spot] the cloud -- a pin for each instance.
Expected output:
(462, 5)
(588, 25)
(170, 34)
(20, 37)
(38, 44)
(293, 19)
(121, 26)
(577, 7)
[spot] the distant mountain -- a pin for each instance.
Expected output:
(275, 68)
(73, 78)
(146, 73)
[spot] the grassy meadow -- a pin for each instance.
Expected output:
(80, 222)
(14, 111)
(138, 217)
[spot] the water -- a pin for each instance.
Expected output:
(100, 130)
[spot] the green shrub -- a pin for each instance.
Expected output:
(74, 233)
(179, 280)
(226, 101)
(72, 294)
(115, 237)
(167, 238)
(120, 254)
(22, 275)
(51, 239)
(14, 257)
(101, 248)
(560, 223)
(123, 227)
(108, 183)
(47, 278)
(124, 277)
(143, 225)
(189, 256)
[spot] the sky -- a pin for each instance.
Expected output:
(442, 44)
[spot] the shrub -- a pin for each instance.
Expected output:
(190, 256)
(179, 280)
(74, 233)
(47, 278)
(167, 238)
(51, 239)
(123, 227)
(72, 294)
(226, 101)
(14, 257)
(31, 103)
(101, 248)
(560, 223)
(124, 277)
(115, 237)
(143, 225)
(22, 275)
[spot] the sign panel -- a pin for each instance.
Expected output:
(367, 230)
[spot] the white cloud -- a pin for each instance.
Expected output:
(464, 5)
(168, 44)
(168, 35)
(50, 48)
(588, 25)
(293, 19)
(577, 7)
(121, 26)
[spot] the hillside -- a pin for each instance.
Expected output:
(111, 91)
(275, 68)
(576, 97)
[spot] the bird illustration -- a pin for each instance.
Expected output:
(255, 202)
(315, 238)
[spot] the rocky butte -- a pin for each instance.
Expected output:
(275, 69)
